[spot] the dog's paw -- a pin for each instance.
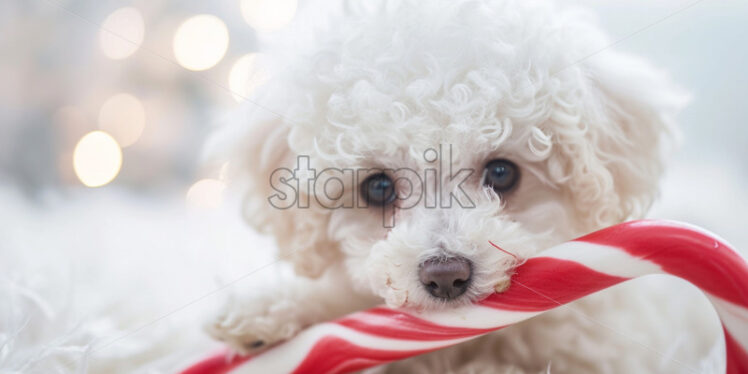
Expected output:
(253, 325)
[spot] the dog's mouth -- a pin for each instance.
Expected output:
(451, 279)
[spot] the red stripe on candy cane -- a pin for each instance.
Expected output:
(701, 258)
(395, 324)
(737, 357)
(220, 363)
(545, 283)
(557, 276)
(332, 355)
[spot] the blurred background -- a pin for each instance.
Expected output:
(104, 107)
(119, 95)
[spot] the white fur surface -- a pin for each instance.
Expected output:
(96, 282)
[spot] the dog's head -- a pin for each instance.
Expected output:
(432, 147)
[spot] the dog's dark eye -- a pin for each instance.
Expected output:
(501, 175)
(378, 189)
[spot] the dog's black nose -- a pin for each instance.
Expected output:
(447, 277)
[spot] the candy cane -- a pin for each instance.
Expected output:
(556, 276)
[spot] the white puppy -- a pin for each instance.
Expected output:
(412, 136)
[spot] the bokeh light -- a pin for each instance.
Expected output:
(201, 42)
(246, 74)
(97, 159)
(206, 194)
(268, 15)
(123, 116)
(122, 33)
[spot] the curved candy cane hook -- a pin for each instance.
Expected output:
(556, 276)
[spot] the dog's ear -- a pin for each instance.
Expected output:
(255, 151)
(614, 153)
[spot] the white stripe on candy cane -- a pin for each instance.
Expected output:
(602, 258)
(286, 357)
(734, 318)
(475, 316)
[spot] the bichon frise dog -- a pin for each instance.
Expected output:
(414, 137)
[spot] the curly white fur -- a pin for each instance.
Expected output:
(522, 80)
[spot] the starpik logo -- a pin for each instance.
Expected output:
(346, 188)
